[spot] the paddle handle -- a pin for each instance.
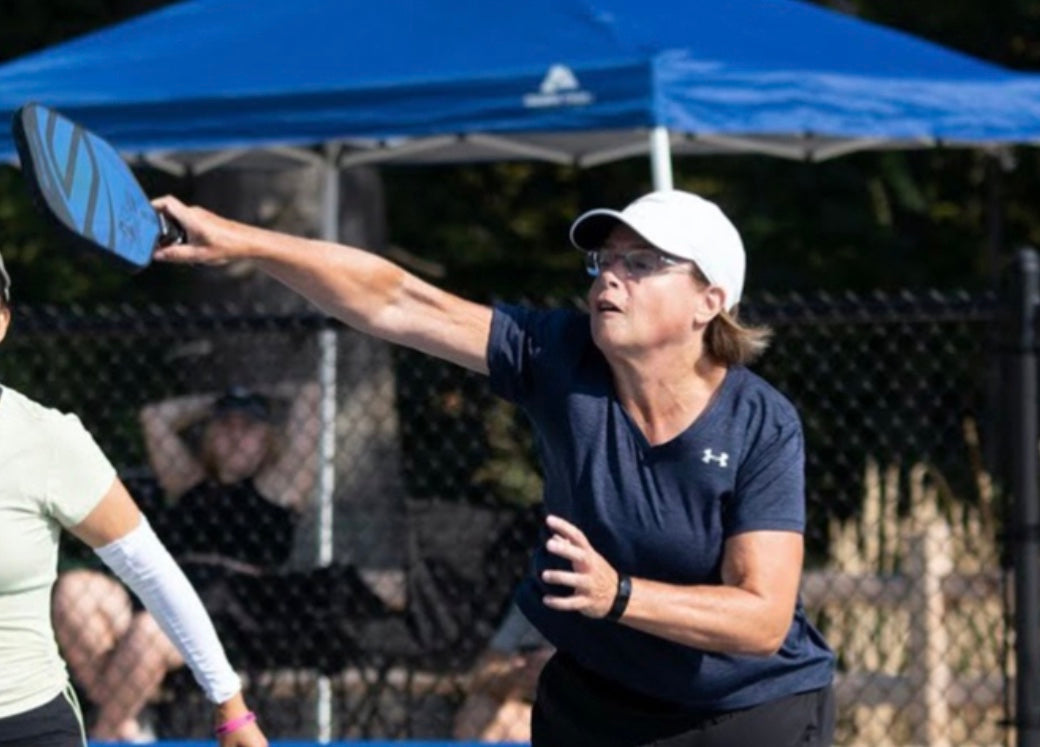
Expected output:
(170, 231)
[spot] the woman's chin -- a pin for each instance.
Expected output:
(608, 337)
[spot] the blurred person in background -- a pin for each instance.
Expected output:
(674, 476)
(53, 476)
(236, 478)
(502, 684)
(236, 484)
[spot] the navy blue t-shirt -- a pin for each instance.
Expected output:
(658, 512)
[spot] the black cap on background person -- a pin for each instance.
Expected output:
(241, 399)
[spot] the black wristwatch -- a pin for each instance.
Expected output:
(621, 597)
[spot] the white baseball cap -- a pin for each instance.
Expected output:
(678, 223)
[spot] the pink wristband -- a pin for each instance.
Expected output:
(236, 723)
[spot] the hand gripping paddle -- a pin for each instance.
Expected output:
(86, 191)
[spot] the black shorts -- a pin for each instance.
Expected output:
(54, 724)
(575, 706)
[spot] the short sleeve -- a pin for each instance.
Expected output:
(770, 486)
(80, 474)
(529, 347)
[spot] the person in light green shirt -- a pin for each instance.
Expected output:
(53, 476)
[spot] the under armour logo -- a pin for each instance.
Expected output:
(710, 456)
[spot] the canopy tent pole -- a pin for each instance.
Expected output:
(661, 158)
(327, 343)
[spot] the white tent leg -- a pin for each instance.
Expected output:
(327, 343)
(661, 158)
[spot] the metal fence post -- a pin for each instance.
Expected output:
(1025, 531)
(327, 342)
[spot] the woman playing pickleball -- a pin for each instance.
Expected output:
(674, 476)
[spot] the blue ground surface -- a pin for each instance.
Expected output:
(359, 743)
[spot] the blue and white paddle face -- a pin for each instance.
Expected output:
(83, 184)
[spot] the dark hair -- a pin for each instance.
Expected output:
(240, 399)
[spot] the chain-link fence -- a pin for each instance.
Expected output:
(358, 547)
(901, 402)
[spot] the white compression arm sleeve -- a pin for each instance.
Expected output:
(147, 567)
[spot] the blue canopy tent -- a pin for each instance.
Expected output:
(570, 81)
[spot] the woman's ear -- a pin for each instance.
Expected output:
(711, 301)
(5, 320)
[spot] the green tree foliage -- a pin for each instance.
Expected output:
(864, 222)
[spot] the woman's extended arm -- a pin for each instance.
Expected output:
(364, 290)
